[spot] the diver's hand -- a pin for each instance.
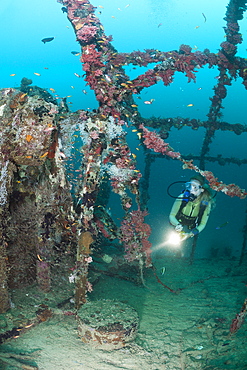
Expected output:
(185, 236)
(179, 227)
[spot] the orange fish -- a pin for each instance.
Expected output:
(13, 74)
(37, 74)
(44, 155)
(29, 138)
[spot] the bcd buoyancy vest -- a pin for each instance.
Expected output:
(189, 221)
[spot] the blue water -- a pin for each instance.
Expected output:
(163, 25)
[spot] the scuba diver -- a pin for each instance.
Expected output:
(191, 209)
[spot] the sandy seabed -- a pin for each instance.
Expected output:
(184, 330)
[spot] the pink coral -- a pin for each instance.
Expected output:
(134, 235)
(186, 49)
(86, 33)
(94, 134)
(153, 141)
(228, 47)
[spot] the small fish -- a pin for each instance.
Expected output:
(108, 79)
(76, 74)
(159, 25)
(47, 39)
(62, 155)
(39, 258)
(127, 5)
(47, 129)
(222, 225)
(149, 101)
(64, 9)
(53, 90)
(205, 19)
(13, 74)
(75, 53)
(190, 105)
(44, 155)
(84, 92)
(37, 74)
(196, 27)
(163, 270)
(29, 138)
(139, 134)
(134, 105)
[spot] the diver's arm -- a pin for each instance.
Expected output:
(174, 211)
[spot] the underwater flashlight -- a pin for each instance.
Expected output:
(174, 238)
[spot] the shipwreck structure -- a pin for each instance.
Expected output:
(39, 216)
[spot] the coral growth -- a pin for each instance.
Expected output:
(153, 141)
(134, 236)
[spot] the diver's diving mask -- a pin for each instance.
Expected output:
(193, 187)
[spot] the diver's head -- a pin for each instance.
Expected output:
(195, 186)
